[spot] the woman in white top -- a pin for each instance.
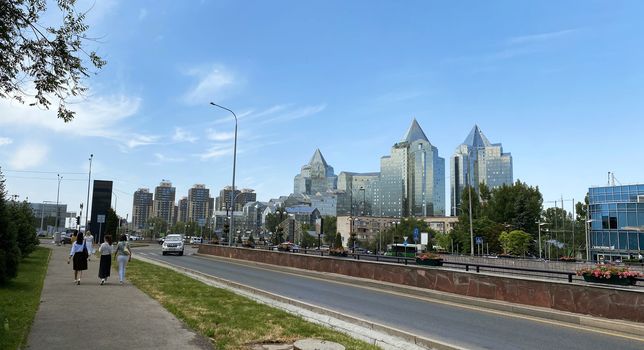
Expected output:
(89, 243)
(105, 264)
(80, 258)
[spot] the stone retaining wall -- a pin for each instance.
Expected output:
(615, 303)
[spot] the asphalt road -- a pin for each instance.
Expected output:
(465, 327)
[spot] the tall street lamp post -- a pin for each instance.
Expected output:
(540, 224)
(89, 178)
(57, 199)
(232, 194)
(469, 198)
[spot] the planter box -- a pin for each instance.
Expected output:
(629, 281)
(430, 262)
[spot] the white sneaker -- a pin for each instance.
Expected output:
(103, 281)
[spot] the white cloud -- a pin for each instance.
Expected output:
(165, 159)
(212, 83)
(540, 37)
(214, 135)
(5, 141)
(181, 135)
(296, 114)
(143, 14)
(215, 152)
(28, 155)
(96, 116)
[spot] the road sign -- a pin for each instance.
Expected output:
(479, 240)
(201, 222)
(424, 238)
(100, 219)
(416, 233)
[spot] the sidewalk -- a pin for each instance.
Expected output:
(112, 316)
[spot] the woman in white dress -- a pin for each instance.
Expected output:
(89, 243)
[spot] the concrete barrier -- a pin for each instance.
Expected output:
(601, 301)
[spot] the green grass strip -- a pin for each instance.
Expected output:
(229, 320)
(19, 299)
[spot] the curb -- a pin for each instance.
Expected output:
(423, 342)
(624, 327)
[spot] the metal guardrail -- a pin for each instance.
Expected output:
(467, 266)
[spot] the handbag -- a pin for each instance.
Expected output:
(85, 252)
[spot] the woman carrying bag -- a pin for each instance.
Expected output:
(79, 252)
(123, 255)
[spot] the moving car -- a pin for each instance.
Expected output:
(196, 240)
(172, 244)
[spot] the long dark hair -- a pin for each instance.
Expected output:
(108, 239)
(123, 238)
(79, 239)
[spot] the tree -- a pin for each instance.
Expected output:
(23, 218)
(337, 243)
(52, 59)
(111, 224)
(330, 228)
(157, 225)
(517, 205)
(9, 251)
(515, 242)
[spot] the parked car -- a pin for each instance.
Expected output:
(172, 244)
(66, 237)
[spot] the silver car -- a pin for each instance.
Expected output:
(172, 244)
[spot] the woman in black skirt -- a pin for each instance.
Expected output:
(106, 259)
(79, 252)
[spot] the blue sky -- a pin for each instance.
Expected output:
(559, 83)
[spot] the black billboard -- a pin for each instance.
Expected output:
(101, 202)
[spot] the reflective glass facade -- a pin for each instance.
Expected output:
(616, 221)
(315, 177)
(412, 178)
(476, 161)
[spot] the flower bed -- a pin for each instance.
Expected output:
(609, 274)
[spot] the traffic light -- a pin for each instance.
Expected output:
(78, 220)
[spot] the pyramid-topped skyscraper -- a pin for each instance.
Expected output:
(315, 177)
(412, 178)
(477, 161)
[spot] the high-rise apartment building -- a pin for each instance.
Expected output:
(246, 195)
(477, 161)
(198, 203)
(412, 178)
(182, 210)
(141, 208)
(163, 206)
(315, 177)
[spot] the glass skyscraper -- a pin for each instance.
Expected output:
(412, 178)
(616, 216)
(477, 161)
(315, 177)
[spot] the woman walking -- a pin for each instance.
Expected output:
(105, 264)
(123, 256)
(79, 253)
(89, 243)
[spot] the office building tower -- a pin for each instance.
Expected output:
(412, 178)
(141, 208)
(315, 177)
(616, 222)
(357, 193)
(478, 161)
(163, 206)
(101, 202)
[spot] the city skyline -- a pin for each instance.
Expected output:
(555, 88)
